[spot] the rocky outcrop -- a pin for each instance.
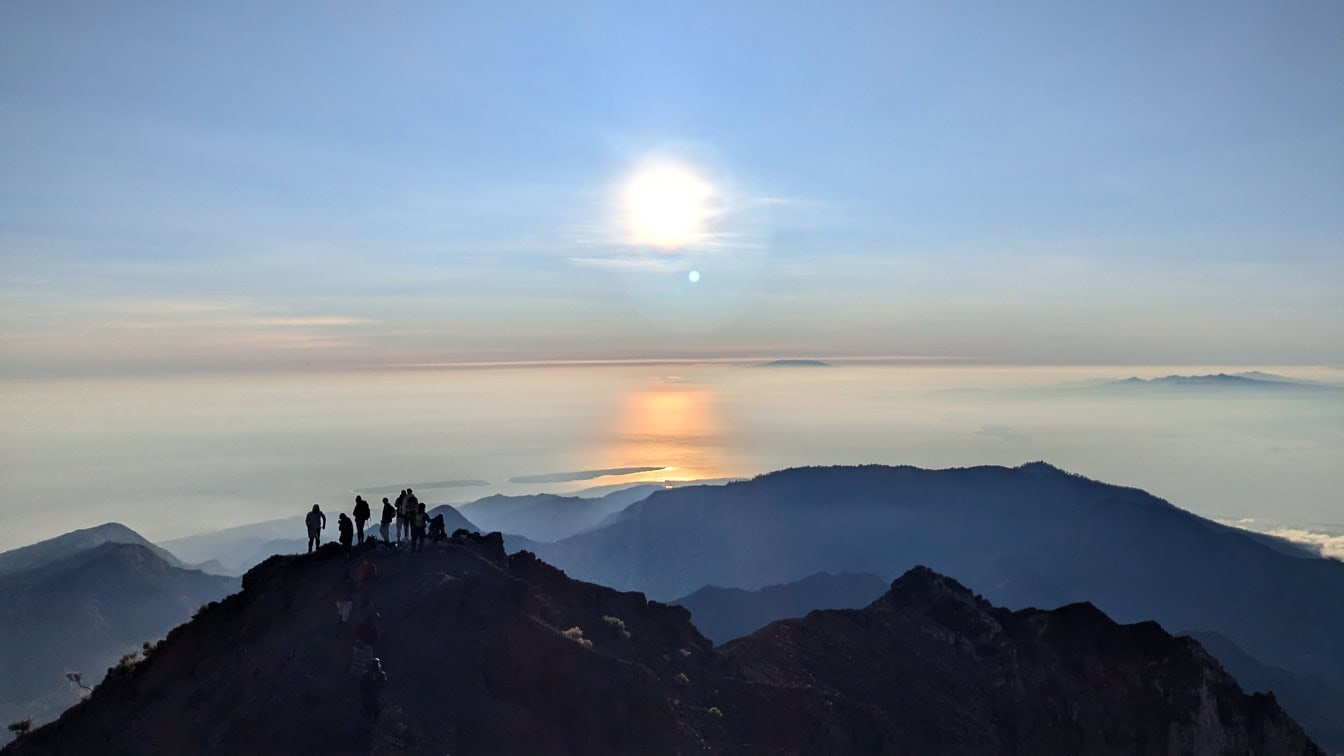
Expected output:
(489, 653)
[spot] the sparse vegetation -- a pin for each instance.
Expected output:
(127, 662)
(682, 679)
(576, 634)
(617, 625)
(78, 679)
(716, 712)
(21, 727)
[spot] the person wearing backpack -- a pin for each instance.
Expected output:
(389, 514)
(361, 516)
(316, 522)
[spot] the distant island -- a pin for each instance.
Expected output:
(566, 477)
(795, 363)
(1249, 380)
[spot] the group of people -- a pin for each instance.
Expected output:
(408, 513)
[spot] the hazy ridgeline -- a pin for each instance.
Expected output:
(173, 456)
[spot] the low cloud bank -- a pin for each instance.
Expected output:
(1329, 545)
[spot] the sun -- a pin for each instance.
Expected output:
(667, 206)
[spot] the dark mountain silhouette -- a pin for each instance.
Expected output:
(723, 614)
(488, 653)
(452, 520)
(1027, 536)
(1312, 703)
(82, 613)
(69, 544)
(550, 517)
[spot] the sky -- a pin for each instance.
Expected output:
(295, 186)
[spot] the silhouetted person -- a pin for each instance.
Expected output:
(418, 518)
(316, 522)
(371, 687)
(361, 514)
(436, 528)
(389, 514)
(347, 529)
(403, 532)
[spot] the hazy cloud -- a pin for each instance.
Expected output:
(1329, 545)
(1004, 433)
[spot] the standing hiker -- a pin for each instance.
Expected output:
(418, 519)
(316, 522)
(361, 516)
(389, 514)
(402, 531)
(347, 530)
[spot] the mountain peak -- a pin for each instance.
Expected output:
(68, 544)
(485, 652)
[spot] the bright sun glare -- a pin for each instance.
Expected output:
(667, 206)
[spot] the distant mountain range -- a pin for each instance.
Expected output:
(549, 517)
(81, 612)
(488, 653)
(74, 542)
(1027, 536)
(723, 614)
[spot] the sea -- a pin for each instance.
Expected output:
(178, 455)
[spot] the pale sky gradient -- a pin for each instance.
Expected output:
(306, 185)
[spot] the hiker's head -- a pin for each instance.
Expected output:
(422, 506)
(385, 501)
(315, 509)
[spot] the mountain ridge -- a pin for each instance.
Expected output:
(505, 653)
(1028, 536)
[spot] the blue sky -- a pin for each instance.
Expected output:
(245, 185)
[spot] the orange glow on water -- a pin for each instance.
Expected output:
(677, 427)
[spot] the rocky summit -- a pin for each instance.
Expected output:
(492, 653)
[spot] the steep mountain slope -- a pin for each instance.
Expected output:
(82, 614)
(1318, 707)
(488, 653)
(69, 544)
(723, 614)
(550, 517)
(1027, 536)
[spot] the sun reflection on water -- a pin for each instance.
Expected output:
(676, 426)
